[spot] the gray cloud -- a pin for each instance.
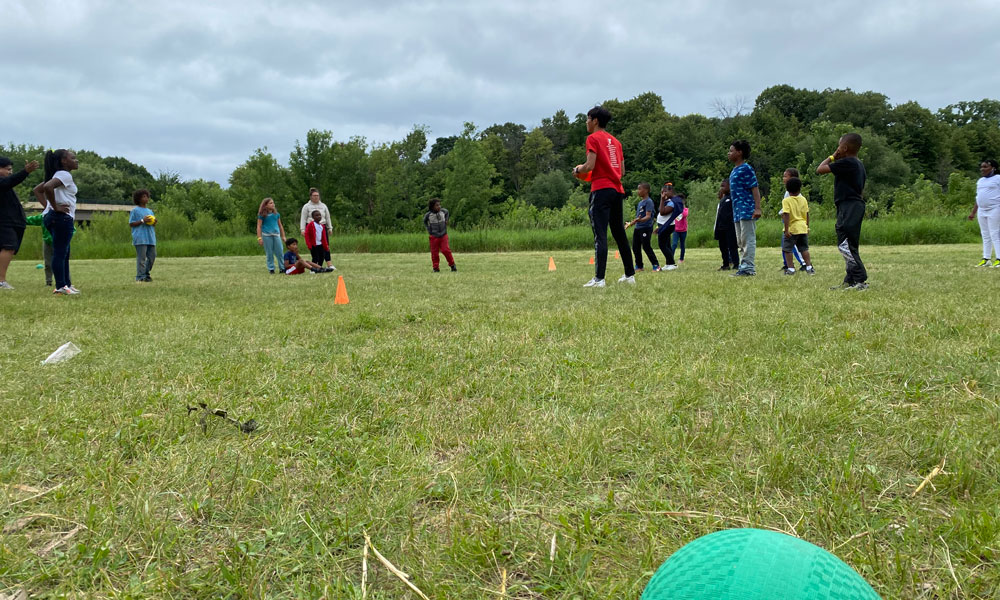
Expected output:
(195, 87)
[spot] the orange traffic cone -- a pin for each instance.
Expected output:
(341, 297)
(591, 260)
(618, 255)
(552, 264)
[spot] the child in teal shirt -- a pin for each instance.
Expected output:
(36, 220)
(143, 221)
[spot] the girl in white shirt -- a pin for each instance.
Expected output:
(988, 207)
(59, 191)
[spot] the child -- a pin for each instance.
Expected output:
(294, 265)
(725, 229)
(643, 232)
(142, 221)
(436, 222)
(795, 215)
(670, 208)
(849, 178)
(746, 206)
(680, 230)
(788, 174)
(270, 233)
(36, 220)
(318, 241)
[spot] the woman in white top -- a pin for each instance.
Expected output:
(988, 207)
(306, 217)
(59, 191)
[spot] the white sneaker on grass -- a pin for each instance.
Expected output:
(627, 279)
(595, 282)
(5, 286)
(668, 268)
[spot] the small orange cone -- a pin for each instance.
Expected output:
(552, 264)
(591, 260)
(617, 255)
(341, 291)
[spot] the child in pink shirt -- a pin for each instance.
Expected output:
(680, 231)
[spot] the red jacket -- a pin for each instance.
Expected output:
(311, 236)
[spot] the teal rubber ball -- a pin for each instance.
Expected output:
(753, 564)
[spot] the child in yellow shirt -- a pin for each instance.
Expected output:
(795, 215)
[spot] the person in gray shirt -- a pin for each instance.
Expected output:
(436, 222)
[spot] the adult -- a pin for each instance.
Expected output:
(746, 206)
(12, 223)
(988, 209)
(306, 216)
(604, 168)
(59, 192)
(725, 229)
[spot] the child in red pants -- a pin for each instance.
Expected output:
(436, 222)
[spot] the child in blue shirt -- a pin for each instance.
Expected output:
(643, 233)
(143, 223)
(270, 232)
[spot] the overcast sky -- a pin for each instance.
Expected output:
(196, 87)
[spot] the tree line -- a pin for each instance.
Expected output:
(514, 176)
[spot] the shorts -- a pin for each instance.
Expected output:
(294, 270)
(795, 240)
(10, 237)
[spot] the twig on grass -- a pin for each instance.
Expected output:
(951, 569)
(552, 554)
(60, 541)
(392, 568)
(934, 473)
(364, 572)
(38, 495)
(851, 539)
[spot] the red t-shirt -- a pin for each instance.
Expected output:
(610, 164)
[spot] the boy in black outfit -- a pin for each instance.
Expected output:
(725, 229)
(848, 184)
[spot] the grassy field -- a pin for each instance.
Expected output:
(499, 432)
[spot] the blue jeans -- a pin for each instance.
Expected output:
(679, 237)
(60, 225)
(272, 247)
(145, 255)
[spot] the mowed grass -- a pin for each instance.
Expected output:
(466, 420)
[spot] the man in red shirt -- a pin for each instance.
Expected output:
(604, 167)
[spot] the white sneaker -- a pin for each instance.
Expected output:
(626, 279)
(63, 291)
(595, 282)
(73, 290)
(668, 268)
(5, 286)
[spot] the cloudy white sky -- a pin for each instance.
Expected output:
(196, 87)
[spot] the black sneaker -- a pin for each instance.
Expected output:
(857, 287)
(454, 268)
(789, 271)
(271, 271)
(436, 270)
(743, 274)
(724, 268)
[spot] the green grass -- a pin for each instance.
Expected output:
(881, 232)
(463, 420)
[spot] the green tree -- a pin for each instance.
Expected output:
(262, 177)
(470, 190)
(548, 190)
(537, 155)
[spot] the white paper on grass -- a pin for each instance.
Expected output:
(64, 352)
